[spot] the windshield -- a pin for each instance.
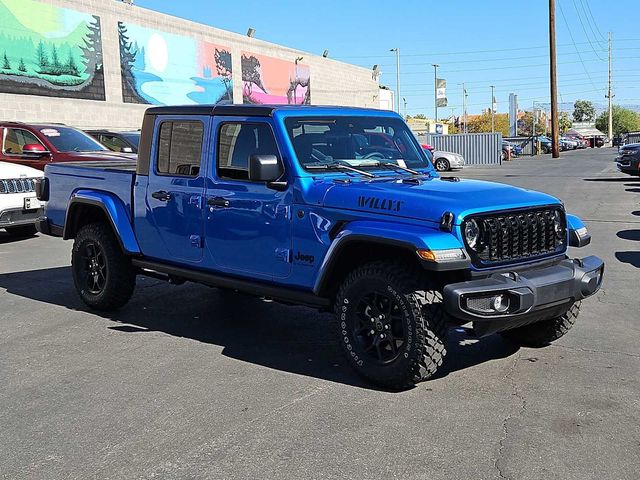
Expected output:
(66, 139)
(133, 138)
(355, 141)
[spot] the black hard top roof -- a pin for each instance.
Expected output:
(249, 110)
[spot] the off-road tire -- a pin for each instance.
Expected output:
(422, 313)
(22, 231)
(442, 165)
(120, 277)
(542, 333)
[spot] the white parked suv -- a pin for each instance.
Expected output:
(18, 203)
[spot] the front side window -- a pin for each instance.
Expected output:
(113, 143)
(15, 139)
(66, 139)
(362, 142)
(237, 142)
(180, 148)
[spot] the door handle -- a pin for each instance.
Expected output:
(218, 202)
(161, 195)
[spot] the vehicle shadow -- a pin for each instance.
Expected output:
(632, 258)
(629, 235)
(6, 238)
(636, 213)
(632, 190)
(614, 179)
(291, 339)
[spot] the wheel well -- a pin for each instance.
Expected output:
(356, 253)
(81, 214)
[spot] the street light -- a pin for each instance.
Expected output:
(493, 108)
(435, 91)
(251, 32)
(397, 50)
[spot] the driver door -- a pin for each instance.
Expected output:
(13, 140)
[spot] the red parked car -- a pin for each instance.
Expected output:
(36, 145)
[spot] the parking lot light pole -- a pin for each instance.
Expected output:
(397, 51)
(493, 113)
(435, 91)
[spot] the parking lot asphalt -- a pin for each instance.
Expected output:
(186, 383)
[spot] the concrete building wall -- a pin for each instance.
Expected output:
(332, 82)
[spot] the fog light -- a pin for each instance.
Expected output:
(500, 303)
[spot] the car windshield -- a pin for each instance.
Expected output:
(133, 138)
(360, 142)
(66, 139)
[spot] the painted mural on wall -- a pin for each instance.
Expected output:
(274, 81)
(50, 51)
(164, 69)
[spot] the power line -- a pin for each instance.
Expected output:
(594, 20)
(575, 5)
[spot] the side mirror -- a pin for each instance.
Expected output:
(34, 149)
(265, 168)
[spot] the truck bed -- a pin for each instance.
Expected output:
(112, 176)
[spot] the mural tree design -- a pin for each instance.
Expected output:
(58, 53)
(224, 69)
(127, 61)
(251, 75)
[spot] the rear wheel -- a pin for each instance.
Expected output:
(102, 274)
(442, 164)
(542, 333)
(21, 231)
(391, 325)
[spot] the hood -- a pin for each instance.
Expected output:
(429, 199)
(13, 170)
(106, 155)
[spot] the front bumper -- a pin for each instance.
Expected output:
(14, 217)
(525, 297)
(628, 166)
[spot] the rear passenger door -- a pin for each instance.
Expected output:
(175, 189)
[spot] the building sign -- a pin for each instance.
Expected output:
(272, 80)
(50, 51)
(161, 68)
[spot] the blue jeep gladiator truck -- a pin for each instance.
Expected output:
(333, 208)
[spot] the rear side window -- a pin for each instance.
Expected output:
(180, 148)
(237, 142)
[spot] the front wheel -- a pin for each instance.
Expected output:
(542, 333)
(442, 165)
(391, 326)
(102, 274)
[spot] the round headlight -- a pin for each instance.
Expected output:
(471, 233)
(558, 225)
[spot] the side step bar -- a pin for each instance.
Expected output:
(254, 288)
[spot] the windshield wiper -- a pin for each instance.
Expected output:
(399, 167)
(339, 166)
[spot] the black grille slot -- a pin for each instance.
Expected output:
(508, 237)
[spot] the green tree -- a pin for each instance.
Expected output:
(420, 116)
(525, 125)
(5, 62)
(41, 53)
(72, 66)
(482, 123)
(624, 121)
(22, 67)
(55, 61)
(583, 111)
(564, 122)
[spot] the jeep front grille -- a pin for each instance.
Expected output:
(18, 185)
(509, 237)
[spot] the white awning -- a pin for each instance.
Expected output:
(586, 132)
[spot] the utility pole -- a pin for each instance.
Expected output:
(397, 50)
(405, 107)
(435, 92)
(493, 113)
(610, 97)
(464, 99)
(555, 147)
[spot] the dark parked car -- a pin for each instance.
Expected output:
(125, 142)
(37, 145)
(628, 159)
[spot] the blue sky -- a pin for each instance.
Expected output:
(479, 42)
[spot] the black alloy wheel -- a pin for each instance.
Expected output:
(94, 268)
(379, 328)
